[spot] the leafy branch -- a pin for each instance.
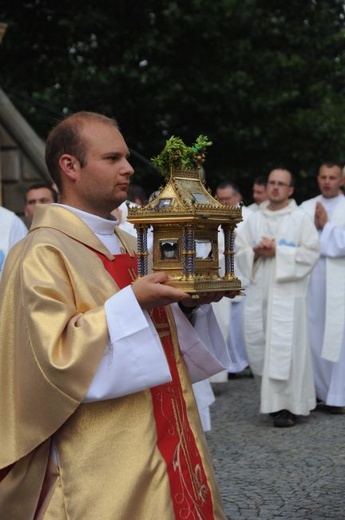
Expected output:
(178, 156)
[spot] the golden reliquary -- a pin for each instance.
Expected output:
(185, 220)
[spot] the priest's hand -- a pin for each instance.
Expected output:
(320, 216)
(151, 291)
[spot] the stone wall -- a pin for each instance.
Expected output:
(21, 156)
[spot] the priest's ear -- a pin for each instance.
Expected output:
(69, 166)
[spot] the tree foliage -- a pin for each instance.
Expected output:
(263, 79)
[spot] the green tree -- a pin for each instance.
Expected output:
(262, 79)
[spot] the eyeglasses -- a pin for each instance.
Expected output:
(279, 184)
(224, 200)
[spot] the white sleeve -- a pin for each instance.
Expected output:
(332, 241)
(18, 231)
(204, 397)
(244, 255)
(205, 357)
(295, 262)
(134, 359)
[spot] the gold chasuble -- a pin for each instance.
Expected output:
(138, 457)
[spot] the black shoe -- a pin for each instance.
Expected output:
(323, 407)
(274, 414)
(284, 419)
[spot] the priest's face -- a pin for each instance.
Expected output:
(330, 181)
(100, 185)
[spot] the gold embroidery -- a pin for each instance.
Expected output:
(160, 327)
(120, 236)
(194, 490)
(163, 334)
(183, 444)
(132, 273)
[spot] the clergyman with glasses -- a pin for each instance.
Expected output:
(276, 250)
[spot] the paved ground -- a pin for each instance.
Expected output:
(265, 472)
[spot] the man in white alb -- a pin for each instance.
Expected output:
(259, 192)
(276, 249)
(230, 313)
(13, 229)
(326, 299)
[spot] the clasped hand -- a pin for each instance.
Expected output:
(320, 216)
(266, 248)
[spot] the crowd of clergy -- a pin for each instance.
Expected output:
(288, 328)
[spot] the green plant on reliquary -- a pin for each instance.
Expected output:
(176, 155)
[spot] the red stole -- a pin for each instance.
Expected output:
(190, 492)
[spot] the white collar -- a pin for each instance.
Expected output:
(99, 225)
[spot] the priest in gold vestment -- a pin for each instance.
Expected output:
(97, 415)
